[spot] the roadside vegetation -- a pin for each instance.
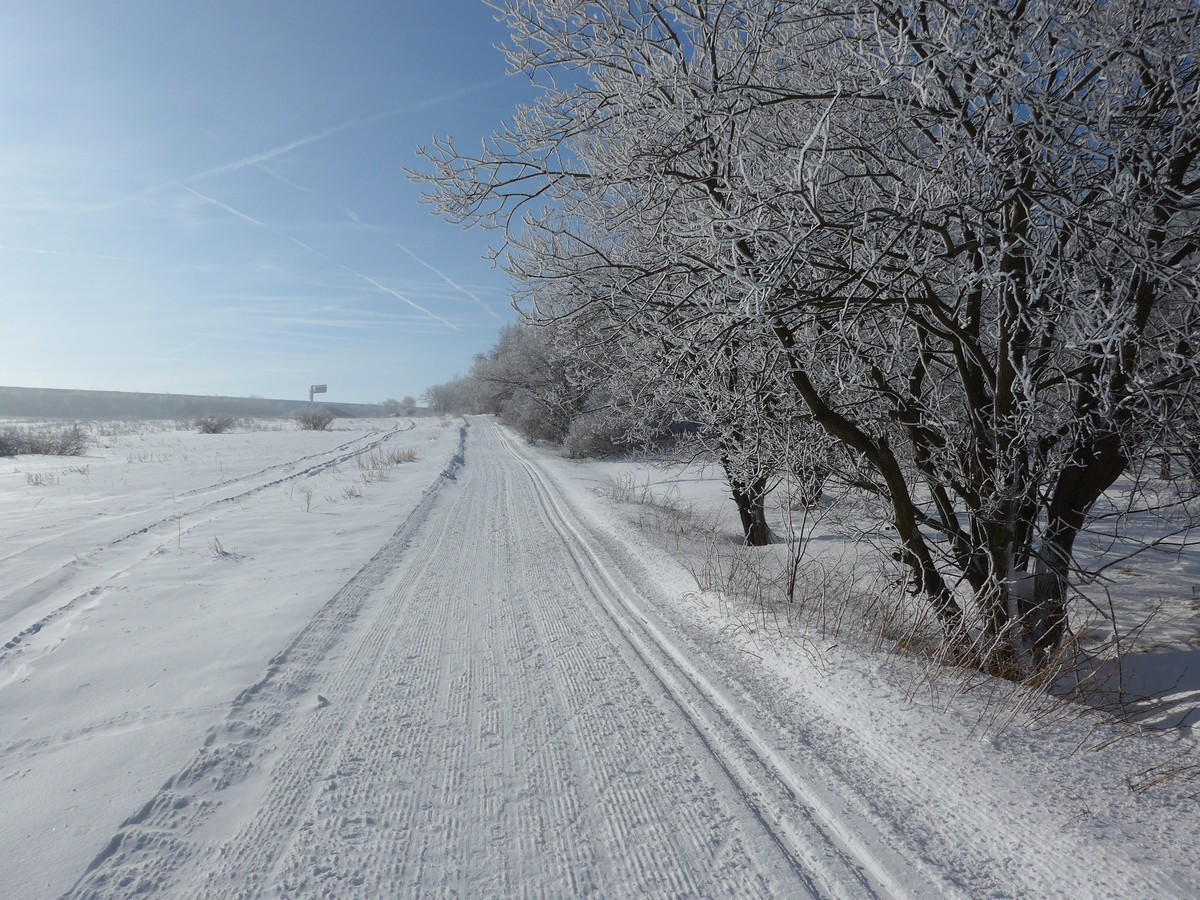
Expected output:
(938, 261)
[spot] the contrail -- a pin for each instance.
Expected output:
(240, 215)
(269, 171)
(302, 141)
(450, 281)
(351, 214)
(299, 243)
(39, 251)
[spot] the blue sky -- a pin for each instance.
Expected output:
(211, 198)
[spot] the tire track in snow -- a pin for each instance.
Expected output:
(747, 757)
(341, 454)
(58, 532)
(889, 798)
(167, 834)
(173, 525)
(486, 731)
(343, 448)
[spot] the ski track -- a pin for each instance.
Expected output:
(110, 559)
(485, 710)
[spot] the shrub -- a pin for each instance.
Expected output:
(593, 434)
(534, 419)
(71, 441)
(214, 424)
(65, 441)
(374, 466)
(394, 407)
(314, 419)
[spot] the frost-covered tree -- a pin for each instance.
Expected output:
(670, 379)
(403, 407)
(968, 232)
(455, 397)
(526, 379)
(997, 213)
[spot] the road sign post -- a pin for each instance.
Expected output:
(317, 389)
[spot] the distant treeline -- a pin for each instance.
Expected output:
(53, 403)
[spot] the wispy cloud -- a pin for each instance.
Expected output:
(41, 251)
(269, 171)
(450, 281)
(299, 243)
(266, 155)
(357, 219)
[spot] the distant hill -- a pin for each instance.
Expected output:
(52, 403)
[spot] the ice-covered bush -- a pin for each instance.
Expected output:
(593, 434)
(314, 419)
(214, 424)
(69, 440)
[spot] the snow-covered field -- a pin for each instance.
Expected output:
(146, 584)
(274, 663)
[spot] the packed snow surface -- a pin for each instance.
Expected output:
(241, 665)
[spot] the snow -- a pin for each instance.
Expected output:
(1000, 790)
(494, 674)
(144, 633)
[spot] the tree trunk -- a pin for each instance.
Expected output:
(1026, 622)
(1044, 617)
(914, 554)
(750, 498)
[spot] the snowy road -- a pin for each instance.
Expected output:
(502, 703)
(484, 711)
